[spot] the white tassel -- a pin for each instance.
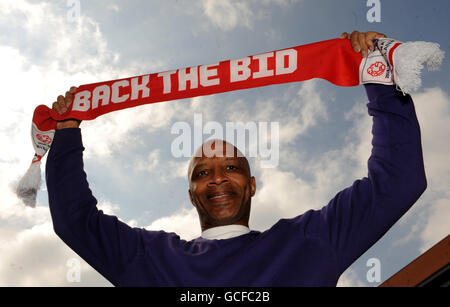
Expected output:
(29, 184)
(408, 61)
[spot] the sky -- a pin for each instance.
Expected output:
(324, 130)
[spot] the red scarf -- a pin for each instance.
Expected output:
(333, 60)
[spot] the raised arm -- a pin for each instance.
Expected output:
(107, 244)
(361, 214)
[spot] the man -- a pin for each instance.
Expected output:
(312, 249)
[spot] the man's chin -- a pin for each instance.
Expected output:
(222, 220)
(230, 218)
(226, 213)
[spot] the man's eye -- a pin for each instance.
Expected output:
(231, 167)
(201, 173)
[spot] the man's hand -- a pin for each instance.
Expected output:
(61, 105)
(362, 41)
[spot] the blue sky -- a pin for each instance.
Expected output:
(324, 129)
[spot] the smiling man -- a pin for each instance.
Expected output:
(221, 187)
(312, 249)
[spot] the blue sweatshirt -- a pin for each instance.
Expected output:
(312, 249)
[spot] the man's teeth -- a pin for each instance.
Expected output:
(220, 196)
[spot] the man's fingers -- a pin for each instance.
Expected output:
(62, 103)
(344, 35)
(371, 36)
(56, 107)
(363, 45)
(363, 42)
(354, 39)
(370, 44)
(68, 98)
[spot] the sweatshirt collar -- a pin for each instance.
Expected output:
(225, 232)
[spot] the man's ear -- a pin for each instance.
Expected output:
(253, 186)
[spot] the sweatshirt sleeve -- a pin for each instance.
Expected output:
(103, 241)
(361, 214)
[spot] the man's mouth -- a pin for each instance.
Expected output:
(221, 197)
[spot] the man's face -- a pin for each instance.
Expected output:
(220, 185)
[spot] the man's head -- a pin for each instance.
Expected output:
(220, 185)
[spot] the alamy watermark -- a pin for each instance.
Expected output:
(74, 11)
(254, 139)
(374, 13)
(374, 273)
(74, 272)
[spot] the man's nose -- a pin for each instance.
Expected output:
(219, 177)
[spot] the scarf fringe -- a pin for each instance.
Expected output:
(409, 59)
(29, 184)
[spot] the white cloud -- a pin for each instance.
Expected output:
(184, 222)
(113, 131)
(296, 116)
(283, 3)
(107, 207)
(152, 164)
(28, 84)
(70, 53)
(306, 110)
(66, 61)
(436, 226)
(283, 194)
(32, 254)
(37, 257)
(229, 14)
(433, 112)
(350, 278)
(69, 46)
(26, 260)
(57, 54)
(113, 7)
